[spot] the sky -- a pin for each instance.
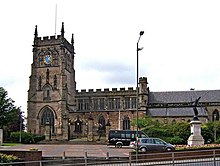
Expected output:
(181, 42)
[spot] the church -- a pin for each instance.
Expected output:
(56, 109)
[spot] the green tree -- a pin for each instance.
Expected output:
(176, 133)
(10, 115)
(208, 131)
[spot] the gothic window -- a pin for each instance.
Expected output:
(80, 104)
(78, 125)
(95, 104)
(101, 123)
(46, 92)
(126, 123)
(133, 102)
(55, 82)
(39, 83)
(215, 115)
(111, 103)
(40, 59)
(102, 104)
(47, 76)
(117, 103)
(127, 102)
(47, 117)
(86, 102)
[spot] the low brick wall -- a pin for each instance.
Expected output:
(25, 155)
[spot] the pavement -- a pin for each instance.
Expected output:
(53, 150)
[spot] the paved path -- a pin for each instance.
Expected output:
(74, 150)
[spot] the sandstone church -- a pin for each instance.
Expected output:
(58, 110)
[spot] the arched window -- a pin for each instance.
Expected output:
(78, 125)
(126, 123)
(47, 76)
(47, 117)
(46, 92)
(39, 83)
(55, 82)
(101, 124)
(215, 115)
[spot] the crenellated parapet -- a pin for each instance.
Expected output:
(106, 91)
(53, 40)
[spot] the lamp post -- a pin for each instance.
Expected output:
(137, 93)
(20, 127)
(215, 127)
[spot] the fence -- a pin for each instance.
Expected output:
(182, 158)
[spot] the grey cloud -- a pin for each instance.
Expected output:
(115, 73)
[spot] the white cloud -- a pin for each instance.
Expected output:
(181, 42)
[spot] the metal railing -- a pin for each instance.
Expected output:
(184, 158)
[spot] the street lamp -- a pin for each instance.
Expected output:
(20, 136)
(215, 116)
(137, 93)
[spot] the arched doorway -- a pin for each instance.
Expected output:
(47, 118)
(101, 126)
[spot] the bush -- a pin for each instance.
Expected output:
(7, 158)
(26, 137)
(218, 141)
(38, 138)
(206, 132)
(176, 140)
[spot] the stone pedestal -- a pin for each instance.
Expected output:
(195, 137)
(47, 131)
(1, 137)
(108, 126)
(90, 129)
(65, 128)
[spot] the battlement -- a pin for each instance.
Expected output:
(143, 80)
(106, 90)
(53, 40)
(47, 38)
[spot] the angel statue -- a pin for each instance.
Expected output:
(195, 104)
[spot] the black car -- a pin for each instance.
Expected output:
(121, 138)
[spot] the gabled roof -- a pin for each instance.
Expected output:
(184, 96)
(175, 112)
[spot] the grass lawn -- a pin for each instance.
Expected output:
(11, 144)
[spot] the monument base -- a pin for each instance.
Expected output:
(195, 138)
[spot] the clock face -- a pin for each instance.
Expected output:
(48, 59)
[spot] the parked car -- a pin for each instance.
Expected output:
(152, 144)
(120, 138)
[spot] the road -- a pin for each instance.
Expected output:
(75, 150)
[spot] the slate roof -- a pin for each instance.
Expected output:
(184, 96)
(179, 97)
(175, 112)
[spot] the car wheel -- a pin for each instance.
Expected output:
(168, 149)
(118, 145)
(143, 149)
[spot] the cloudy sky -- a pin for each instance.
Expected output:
(181, 42)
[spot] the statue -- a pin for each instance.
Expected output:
(195, 104)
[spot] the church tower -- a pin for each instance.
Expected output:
(52, 86)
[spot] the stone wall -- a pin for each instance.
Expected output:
(25, 155)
